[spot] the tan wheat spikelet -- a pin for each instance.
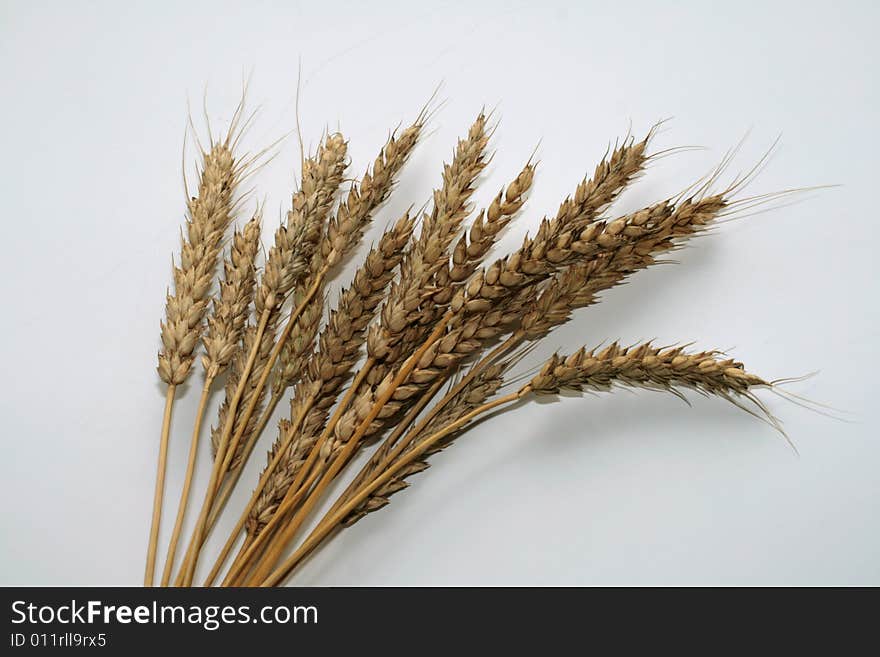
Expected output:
(290, 258)
(210, 213)
(232, 305)
(645, 366)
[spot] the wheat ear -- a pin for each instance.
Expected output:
(209, 215)
(231, 307)
(288, 262)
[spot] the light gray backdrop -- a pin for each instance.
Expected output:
(616, 489)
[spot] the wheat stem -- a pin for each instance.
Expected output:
(264, 566)
(390, 442)
(187, 481)
(394, 436)
(267, 369)
(389, 470)
(239, 569)
(184, 576)
(229, 485)
(297, 488)
(267, 474)
(249, 538)
(160, 485)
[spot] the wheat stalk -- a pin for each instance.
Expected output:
(423, 312)
(642, 366)
(470, 250)
(478, 309)
(231, 307)
(343, 232)
(209, 215)
(326, 372)
(592, 195)
(288, 262)
(404, 319)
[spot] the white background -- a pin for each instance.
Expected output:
(615, 489)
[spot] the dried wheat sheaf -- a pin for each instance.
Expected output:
(422, 341)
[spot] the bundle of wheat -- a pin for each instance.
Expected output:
(423, 311)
